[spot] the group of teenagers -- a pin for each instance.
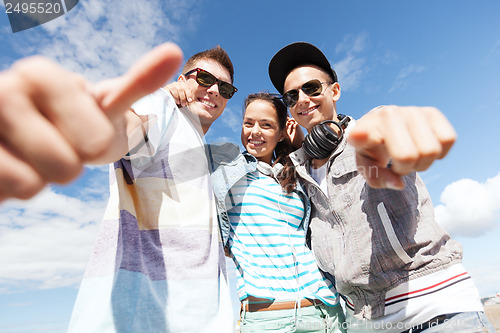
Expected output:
(329, 232)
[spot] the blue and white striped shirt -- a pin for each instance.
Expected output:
(267, 243)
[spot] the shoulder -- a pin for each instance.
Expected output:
(223, 153)
(158, 101)
(299, 156)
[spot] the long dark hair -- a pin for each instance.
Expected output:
(286, 177)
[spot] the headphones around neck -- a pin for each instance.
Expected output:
(322, 140)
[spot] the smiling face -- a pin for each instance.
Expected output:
(260, 132)
(311, 110)
(208, 103)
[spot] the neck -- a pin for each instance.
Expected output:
(316, 164)
(334, 118)
(332, 126)
(266, 160)
(205, 129)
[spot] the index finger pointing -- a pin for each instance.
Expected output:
(148, 74)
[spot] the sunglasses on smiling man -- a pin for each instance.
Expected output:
(310, 88)
(206, 79)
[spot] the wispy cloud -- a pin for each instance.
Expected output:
(389, 57)
(102, 39)
(469, 208)
(45, 242)
(353, 66)
(352, 44)
(224, 139)
(494, 51)
(227, 128)
(486, 277)
(20, 304)
(232, 120)
(350, 71)
(39, 326)
(401, 81)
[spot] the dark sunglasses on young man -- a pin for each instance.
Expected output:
(206, 79)
(310, 88)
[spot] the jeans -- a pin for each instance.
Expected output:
(311, 319)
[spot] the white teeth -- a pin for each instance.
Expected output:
(306, 112)
(255, 142)
(208, 103)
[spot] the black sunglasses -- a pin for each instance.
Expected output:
(205, 79)
(310, 88)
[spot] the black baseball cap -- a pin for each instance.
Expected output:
(293, 56)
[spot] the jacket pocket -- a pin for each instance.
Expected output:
(391, 234)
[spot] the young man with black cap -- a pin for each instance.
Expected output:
(372, 224)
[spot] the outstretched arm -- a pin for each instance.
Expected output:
(52, 121)
(410, 138)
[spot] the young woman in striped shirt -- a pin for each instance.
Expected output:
(264, 218)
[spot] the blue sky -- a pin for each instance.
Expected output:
(440, 53)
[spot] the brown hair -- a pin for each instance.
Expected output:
(217, 54)
(286, 177)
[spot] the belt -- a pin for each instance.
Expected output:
(272, 306)
(431, 323)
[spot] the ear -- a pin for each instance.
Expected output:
(336, 91)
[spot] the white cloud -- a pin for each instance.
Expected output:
(225, 139)
(352, 43)
(227, 128)
(101, 39)
(469, 208)
(45, 242)
(232, 119)
(389, 57)
(351, 69)
(486, 278)
(404, 74)
(494, 51)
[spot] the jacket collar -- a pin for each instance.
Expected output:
(299, 157)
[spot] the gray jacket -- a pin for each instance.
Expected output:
(372, 240)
